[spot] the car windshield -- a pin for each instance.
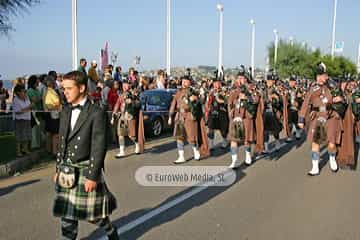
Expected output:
(155, 99)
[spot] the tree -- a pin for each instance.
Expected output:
(298, 59)
(10, 8)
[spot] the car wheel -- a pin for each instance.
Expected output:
(157, 127)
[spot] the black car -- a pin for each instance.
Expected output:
(155, 105)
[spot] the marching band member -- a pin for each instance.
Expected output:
(325, 121)
(216, 112)
(295, 101)
(189, 121)
(245, 106)
(130, 119)
(276, 112)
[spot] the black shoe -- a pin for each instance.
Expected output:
(114, 235)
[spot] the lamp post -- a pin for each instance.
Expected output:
(168, 37)
(334, 30)
(358, 60)
(252, 22)
(276, 46)
(220, 8)
(114, 57)
(74, 35)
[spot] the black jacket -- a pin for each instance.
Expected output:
(87, 141)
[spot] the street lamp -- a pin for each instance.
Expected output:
(220, 8)
(114, 57)
(358, 60)
(137, 61)
(74, 35)
(252, 22)
(168, 37)
(334, 30)
(276, 46)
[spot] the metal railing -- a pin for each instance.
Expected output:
(7, 124)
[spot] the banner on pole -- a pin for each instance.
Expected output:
(339, 47)
(104, 57)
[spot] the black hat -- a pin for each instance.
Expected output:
(349, 78)
(320, 68)
(186, 77)
(242, 71)
(219, 77)
(272, 76)
(292, 78)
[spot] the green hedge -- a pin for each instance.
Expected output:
(7, 147)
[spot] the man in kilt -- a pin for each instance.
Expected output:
(245, 107)
(295, 101)
(216, 112)
(322, 111)
(275, 111)
(81, 191)
(189, 121)
(130, 121)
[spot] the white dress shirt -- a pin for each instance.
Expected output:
(76, 112)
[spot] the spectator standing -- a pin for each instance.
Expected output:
(42, 84)
(22, 115)
(118, 74)
(93, 78)
(4, 95)
(113, 95)
(52, 103)
(36, 101)
(82, 67)
(161, 80)
(133, 78)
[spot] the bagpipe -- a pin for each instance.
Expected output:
(355, 104)
(248, 102)
(338, 106)
(132, 102)
(191, 99)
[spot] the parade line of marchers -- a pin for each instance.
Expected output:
(245, 113)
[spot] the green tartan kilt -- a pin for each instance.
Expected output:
(76, 204)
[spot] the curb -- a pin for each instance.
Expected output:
(39, 156)
(21, 164)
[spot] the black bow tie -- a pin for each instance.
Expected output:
(77, 107)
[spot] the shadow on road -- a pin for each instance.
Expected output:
(287, 148)
(170, 214)
(164, 148)
(7, 190)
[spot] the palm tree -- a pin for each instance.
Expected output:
(12, 8)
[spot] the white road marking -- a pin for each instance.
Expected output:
(165, 207)
(197, 189)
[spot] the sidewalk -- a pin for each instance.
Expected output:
(25, 163)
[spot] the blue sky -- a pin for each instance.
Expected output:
(42, 40)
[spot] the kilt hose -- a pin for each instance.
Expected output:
(76, 204)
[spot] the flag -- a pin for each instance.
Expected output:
(104, 57)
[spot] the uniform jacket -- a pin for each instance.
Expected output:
(86, 142)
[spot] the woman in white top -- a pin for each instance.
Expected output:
(22, 115)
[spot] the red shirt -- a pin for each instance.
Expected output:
(112, 98)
